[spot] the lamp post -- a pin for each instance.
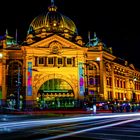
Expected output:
(133, 91)
(95, 93)
(18, 89)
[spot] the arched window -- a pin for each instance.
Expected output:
(56, 85)
(92, 80)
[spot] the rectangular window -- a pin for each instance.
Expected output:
(117, 83)
(110, 81)
(69, 61)
(41, 60)
(111, 95)
(124, 84)
(50, 60)
(60, 62)
(118, 96)
(108, 94)
(36, 58)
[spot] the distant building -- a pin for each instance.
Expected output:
(55, 68)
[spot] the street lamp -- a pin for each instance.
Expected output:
(133, 91)
(1, 55)
(18, 89)
(19, 83)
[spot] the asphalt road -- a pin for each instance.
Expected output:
(119, 126)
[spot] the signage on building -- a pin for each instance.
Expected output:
(81, 79)
(29, 79)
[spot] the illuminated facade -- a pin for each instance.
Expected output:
(55, 68)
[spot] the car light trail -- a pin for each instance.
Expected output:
(90, 129)
(36, 123)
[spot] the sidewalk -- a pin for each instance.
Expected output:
(74, 111)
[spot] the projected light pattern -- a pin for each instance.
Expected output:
(120, 118)
(29, 79)
(81, 78)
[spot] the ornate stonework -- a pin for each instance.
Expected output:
(55, 47)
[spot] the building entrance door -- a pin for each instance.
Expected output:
(56, 93)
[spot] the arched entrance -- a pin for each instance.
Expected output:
(14, 81)
(55, 93)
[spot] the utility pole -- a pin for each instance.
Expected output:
(95, 92)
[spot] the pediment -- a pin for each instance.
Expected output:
(55, 39)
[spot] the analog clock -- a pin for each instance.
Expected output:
(55, 49)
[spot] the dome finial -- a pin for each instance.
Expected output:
(52, 7)
(52, 2)
(95, 35)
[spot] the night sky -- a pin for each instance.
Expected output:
(115, 22)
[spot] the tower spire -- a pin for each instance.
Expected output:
(95, 34)
(52, 7)
(16, 36)
(89, 39)
(6, 32)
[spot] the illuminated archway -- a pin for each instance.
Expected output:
(55, 93)
(57, 86)
(73, 83)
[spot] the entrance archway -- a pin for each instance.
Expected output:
(55, 93)
(14, 80)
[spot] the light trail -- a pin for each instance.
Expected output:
(79, 125)
(85, 124)
(90, 129)
(36, 123)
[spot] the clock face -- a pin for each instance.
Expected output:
(55, 49)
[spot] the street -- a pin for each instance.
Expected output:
(107, 126)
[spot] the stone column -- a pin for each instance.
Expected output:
(113, 81)
(4, 90)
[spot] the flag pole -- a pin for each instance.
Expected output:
(16, 36)
(89, 37)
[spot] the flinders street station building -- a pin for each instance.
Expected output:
(55, 68)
